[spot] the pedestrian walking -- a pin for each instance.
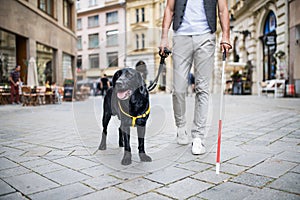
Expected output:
(105, 84)
(15, 80)
(191, 84)
(194, 25)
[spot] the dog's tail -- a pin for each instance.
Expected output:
(162, 65)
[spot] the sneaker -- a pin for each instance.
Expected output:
(197, 147)
(182, 136)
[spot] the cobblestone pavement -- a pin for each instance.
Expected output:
(50, 152)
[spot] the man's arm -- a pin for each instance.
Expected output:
(167, 20)
(225, 25)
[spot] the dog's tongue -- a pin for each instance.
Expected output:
(122, 95)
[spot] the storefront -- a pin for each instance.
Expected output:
(269, 47)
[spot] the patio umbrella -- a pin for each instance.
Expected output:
(32, 78)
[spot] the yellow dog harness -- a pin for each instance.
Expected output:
(134, 117)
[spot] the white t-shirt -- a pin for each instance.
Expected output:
(194, 19)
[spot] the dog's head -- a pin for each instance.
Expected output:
(126, 81)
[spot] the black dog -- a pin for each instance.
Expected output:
(129, 100)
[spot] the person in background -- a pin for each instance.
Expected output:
(191, 84)
(194, 42)
(105, 84)
(15, 80)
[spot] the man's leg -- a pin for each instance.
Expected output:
(12, 93)
(204, 63)
(182, 59)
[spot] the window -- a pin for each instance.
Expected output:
(93, 21)
(92, 3)
(94, 60)
(93, 40)
(143, 41)
(112, 59)
(67, 66)
(112, 38)
(112, 17)
(79, 43)
(79, 24)
(143, 14)
(78, 5)
(137, 15)
(67, 14)
(79, 62)
(137, 41)
(46, 6)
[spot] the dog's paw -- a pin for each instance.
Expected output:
(144, 157)
(102, 145)
(126, 158)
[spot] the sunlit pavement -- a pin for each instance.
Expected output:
(50, 152)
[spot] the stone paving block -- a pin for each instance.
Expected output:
(101, 182)
(20, 159)
(211, 177)
(5, 163)
(66, 176)
(296, 169)
(109, 193)
(75, 162)
(272, 167)
(169, 174)
(228, 191)
(249, 159)
(139, 186)
(284, 146)
(48, 168)
(97, 170)
(36, 163)
(13, 196)
(63, 192)
(184, 188)
(194, 166)
(267, 193)
(124, 175)
(252, 180)
(30, 183)
(5, 188)
(289, 156)
(151, 196)
(13, 172)
(232, 168)
(289, 182)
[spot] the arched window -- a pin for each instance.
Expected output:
(270, 23)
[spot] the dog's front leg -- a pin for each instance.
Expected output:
(141, 135)
(127, 150)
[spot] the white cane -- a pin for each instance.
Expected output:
(221, 114)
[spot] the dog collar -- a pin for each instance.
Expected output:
(134, 117)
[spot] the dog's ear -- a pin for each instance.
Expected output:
(116, 76)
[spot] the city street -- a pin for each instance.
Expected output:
(51, 152)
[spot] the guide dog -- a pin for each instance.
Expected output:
(128, 98)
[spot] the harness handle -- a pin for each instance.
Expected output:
(162, 64)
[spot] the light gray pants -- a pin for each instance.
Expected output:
(188, 50)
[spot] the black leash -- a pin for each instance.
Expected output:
(162, 65)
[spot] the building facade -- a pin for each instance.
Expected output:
(44, 30)
(143, 24)
(294, 44)
(261, 38)
(101, 37)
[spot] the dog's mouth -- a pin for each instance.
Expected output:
(123, 95)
